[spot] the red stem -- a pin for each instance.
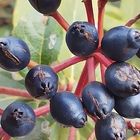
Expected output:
(42, 110)
(91, 69)
(14, 92)
(72, 133)
(103, 69)
(136, 128)
(67, 63)
(92, 136)
(6, 137)
(1, 111)
(132, 21)
(82, 81)
(101, 10)
(102, 59)
(60, 20)
(89, 11)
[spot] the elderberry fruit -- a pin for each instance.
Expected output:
(128, 107)
(121, 43)
(82, 38)
(123, 79)
(138, 53)
(45, 6)
(67, 109)
(14, 54)
(97, 100)
(18, 119)
(112, 127)
(41, 82)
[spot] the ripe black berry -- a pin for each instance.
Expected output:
(82, 38)
(41, 82)
(128, 107)
(14, 54)
(18, 119)
(122, 79)
(67, 109)
(112, 127)
(97, 100)
(121, 43)
(45, 6)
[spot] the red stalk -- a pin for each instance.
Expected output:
(101, 10)
(1, 111)
(32, 64)
(91, 69)
(133, 20)
(72, 133)
(89, 11)
(42, 110)
(102, 59)
(14, 92)
(67, 63)
(60, 20)
(6, 137)
(82, 81)
(92, 136)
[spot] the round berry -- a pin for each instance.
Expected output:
(18, 119)
(14, 54)
(67, 109)
(97, 100)
(128, 107)
(41, 82)
(123, 79)
(45, 6)
(112, 127)
(82, 38)
(121, 43)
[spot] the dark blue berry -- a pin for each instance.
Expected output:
(97, 99)
(41, 82)
(121, 43)
(18, 119)
(14, 54)
(45, 6)
(67, 109)
(122, 79)
(128, 107)
(112, 127)
(82, 38)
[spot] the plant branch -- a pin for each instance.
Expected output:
(32, 64)
(102, 69)
(1, 111)
(42, 110)
(91, 69)
(72, 133)
(14, 92)
(133, 20)
(67, 63)
(101, 10)
(102, 59)
(92, 136)
(60, 20)
(89, 11)
(135, 129)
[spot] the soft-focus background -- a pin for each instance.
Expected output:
(46, 40)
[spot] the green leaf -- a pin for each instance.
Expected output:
(42, 34)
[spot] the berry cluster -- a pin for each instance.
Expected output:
(119, 90)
